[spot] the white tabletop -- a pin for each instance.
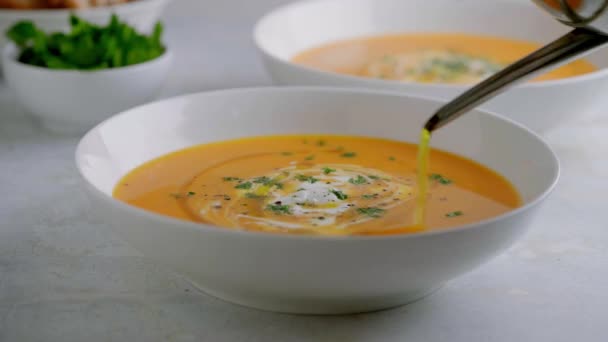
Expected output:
(65, 277)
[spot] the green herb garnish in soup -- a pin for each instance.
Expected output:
(86, 46)
(328, 195)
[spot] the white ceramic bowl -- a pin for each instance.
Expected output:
(291, 29)
(308, 274)
(141, 14)
(71, 101)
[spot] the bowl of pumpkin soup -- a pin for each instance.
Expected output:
(431, 48)
(319, 207)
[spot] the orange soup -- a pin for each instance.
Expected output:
(428, 58)
(330, 185)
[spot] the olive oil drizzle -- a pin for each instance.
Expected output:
(424, 149)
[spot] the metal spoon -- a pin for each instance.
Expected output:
(590, 19)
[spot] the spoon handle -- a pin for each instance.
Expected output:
(570, 46)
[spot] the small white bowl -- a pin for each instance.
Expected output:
(71, 101)
(310, 274)
(141, 14)
(296, 27)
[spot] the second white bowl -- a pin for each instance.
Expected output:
(541, 106)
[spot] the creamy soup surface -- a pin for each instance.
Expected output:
(428, 58)
(330, 185)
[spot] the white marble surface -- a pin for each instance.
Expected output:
(65, 277)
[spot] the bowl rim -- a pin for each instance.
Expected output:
(124, 8)
(175, 223)
(372, 82)
(9, 53)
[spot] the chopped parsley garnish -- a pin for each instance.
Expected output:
(279, 209)
(262, 180)
(245, 185)
(454, 214)
(328, 170)
(231, 179)
(191, 193)
(321, 143)
(253, 196)
(391, 158)
(369, 196)
(339, 194)
(311, 157)
(440, 179)
(373, 177)
(286, 153)
(303, 178)
(371, 212)
(358, 181)
(349, 154)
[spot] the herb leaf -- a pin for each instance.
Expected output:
(279, 209)
(371, 212)
(440, 179)
(231, 179)
(339, 194)
(245, 185)
(253, 196)
(310, 179)
(358, 181)
(328, 170)
(369, 196)
(349, 154)
(262, 180)
(454, 214)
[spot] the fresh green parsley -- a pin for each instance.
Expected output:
(358, 181)
(86, 46)
(454, 214)
(245, 186)
(310, 179)
(279, 209)
(440, 179)
(371, 212)
(321, 143)
(391, 158)
(369, 196)
(328, 170)
(267, 182)
(191, 193)
(262, 180)
(231, 179)
(349, 154)
(373, 177)
(253, 196)
(339, 194)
